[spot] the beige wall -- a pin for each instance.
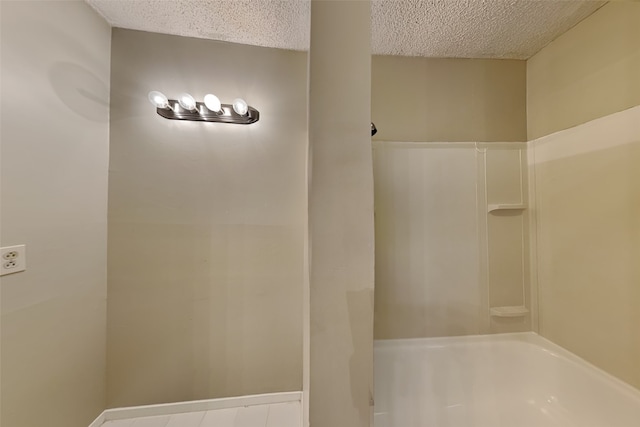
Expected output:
(585, 188)
(55, 139)
(588, 72)
(206, 223)
(430, 99)
(445, 100)
(588, 236)
(340, 215)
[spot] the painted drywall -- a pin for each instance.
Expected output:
(206, 223)
(453, 100)
(55, 139)
(588, 72)
(584, 87)
(341, 233)
(588, 240)
(442, 260)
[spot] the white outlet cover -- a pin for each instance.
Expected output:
(13, 259)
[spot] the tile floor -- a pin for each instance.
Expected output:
(272, 415)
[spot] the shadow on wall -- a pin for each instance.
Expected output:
(80, 90)
(77, 87)
(360, 308)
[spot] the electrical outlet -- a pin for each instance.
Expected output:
(13, 259)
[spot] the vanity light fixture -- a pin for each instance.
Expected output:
(187, 102)
(240, 106)
(212, 103)
(211, 110)
(159, 99)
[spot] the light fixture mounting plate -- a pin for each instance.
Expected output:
(203, 114)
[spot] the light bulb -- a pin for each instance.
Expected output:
(158, 99)
(212, 103)
(187, 102)
(240, 106)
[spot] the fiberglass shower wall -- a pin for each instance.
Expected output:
(451, 239)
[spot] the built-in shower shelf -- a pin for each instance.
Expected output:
(509, 311)
(506, 207)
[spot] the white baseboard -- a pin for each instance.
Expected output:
(196, 406)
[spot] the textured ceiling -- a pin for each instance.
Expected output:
(433, 28)
(472, 28)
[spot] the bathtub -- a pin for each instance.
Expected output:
(507, 380)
